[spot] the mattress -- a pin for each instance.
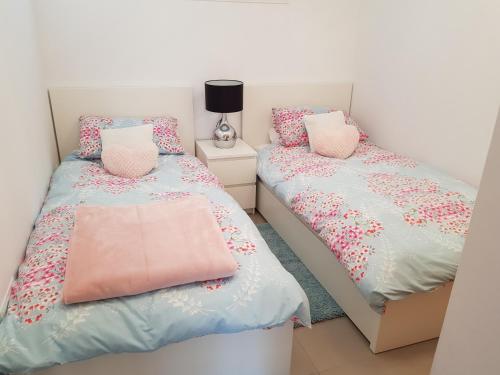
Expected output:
(39, 331)
(398, 226)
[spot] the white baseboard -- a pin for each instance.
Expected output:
(5, 298)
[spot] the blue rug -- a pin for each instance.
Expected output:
(323, 306)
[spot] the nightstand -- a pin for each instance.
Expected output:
(235, 167)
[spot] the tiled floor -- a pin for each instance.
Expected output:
(257, 218)
(336, 347)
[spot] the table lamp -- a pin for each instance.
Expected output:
(224, 96)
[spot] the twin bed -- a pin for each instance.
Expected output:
(39, 331)
(382, 233)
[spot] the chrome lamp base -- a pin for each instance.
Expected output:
(224, 135)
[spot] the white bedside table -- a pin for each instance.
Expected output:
(235, 167)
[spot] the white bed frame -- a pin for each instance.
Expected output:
(263, 351)
(416, 318)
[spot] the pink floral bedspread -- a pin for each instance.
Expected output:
(40, 331)
(396, 225)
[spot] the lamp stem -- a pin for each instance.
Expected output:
(223, 119)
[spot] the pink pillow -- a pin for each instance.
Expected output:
(363, 136)
(335, 142)
(130, 161)
(164, 133)
(289, 124)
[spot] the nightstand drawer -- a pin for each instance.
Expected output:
(234, 171)
(244, 195)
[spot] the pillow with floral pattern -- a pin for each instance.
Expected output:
(289, 124)
(164, 133)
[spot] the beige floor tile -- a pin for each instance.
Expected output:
(359, 368)
(332, 343)
(301, 363)
(411, 360)
(257, 218)
(362, 368)
(336, 346)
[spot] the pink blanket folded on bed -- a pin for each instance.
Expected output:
(120, 251)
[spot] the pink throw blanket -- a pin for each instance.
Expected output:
(120, 251)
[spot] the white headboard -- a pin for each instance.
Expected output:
(258, 101)
(69, 103)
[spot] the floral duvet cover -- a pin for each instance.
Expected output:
(39, 331)
(396, 225)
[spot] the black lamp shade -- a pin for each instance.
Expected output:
(224, 96)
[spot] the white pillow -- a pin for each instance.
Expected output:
(274, 137)
(333, 119)
(130, 136)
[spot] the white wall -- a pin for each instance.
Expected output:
(469, 340)
(27, 150)
(159, 42)
(428, 79)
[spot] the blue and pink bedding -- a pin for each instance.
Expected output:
(40, 331)
(396, 225)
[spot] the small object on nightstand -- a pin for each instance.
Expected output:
(224, 96)
(236, 168)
